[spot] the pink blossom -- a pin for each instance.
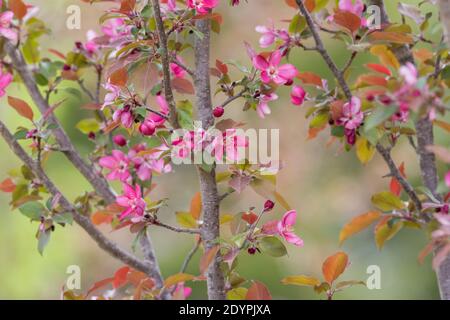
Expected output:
(235, 2)
(286, 228)
(234, 145)
(163, 108)
(298, 95)
(5, 80)
(132, 201)
(263, 108)
(202, 6)
(447, 179)
(181, 292)
(116, 29)
(118, 163)
(91, 46)
(171, 4)
(409, 73)
(271, 71)
(5, 26)
(177, 71)
(270, 34)
(352, 114)
(125, 116)
(353, 6)
(112, 95)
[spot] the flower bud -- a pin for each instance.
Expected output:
(218, 112)
(268, 205)
(120, 140)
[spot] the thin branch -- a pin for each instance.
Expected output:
(323, 52)
(395, 172)
(233, 98)
(190, 255)
(85, 89)
(173, 119)
(175, 229)
(98, 182)
(183, 66)
(80, 219)
(349, 62)
(157, 113)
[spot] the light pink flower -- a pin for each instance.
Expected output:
(125, 116)
(286, 228)
(163, 108)
(352, 114)
(5, 81)
(116, 29)
(263, 108)
(132, 201)
(112, 95)
(91, 46)
(298, 95)
(118, 163)
(202, 6)
(271, 71)
(447, 179)
(270, 34)
(181, 292)
(234, 145)
(409, 73)
(5, 26)
(353, 6)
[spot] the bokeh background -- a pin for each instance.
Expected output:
(326, 186)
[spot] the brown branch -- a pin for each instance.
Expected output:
(84, 221)
(323, 52)
(208, 185)
(395, 172)
(173, 119)
(190, 255)
(175, 229)
(183, 66)
(98, 182)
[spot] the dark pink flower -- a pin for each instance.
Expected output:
(125, 116)
(5, 81)
(120, 140)
(298, 95)
(202, 6)
(352, 116)
(132, 201)
(177, 71)
(118, 164)
(286, 228)
(271, 71)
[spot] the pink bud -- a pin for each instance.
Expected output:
(298, 95)
(218, 112)
(147, 128)
(120, 140)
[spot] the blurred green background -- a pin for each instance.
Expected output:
(326, 186)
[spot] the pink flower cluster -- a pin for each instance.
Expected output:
(202, 6)
(352, 117)
(139, 159)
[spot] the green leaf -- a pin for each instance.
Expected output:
(237, 294)
(347, 284)
(387, 201)
(43, 239)
(186, 220)
(378, 116)
(301, 280)
(63, 218)
(33, 210)
(272, 246)
(319, 120)
(75, 92)
(298, 24)
(88, 125)
(364, 150)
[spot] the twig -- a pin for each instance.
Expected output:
(173, 119)
(183, 66)
(349, 62)
(190, 255)
(175, 229)
(233, 98)
(395, 172)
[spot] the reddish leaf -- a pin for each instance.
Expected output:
(222, 67)
(21, 107)
(334, 266)
(69, 75)
(348, 20)
(249, 217)
(395, 186)
(101, 217)
(379, 68)
(127, 5)
(208, 258)
(183, 86)
(119, 77)
(91, 106)
(358, 224)
(99, 284)
(310, 78)
(121, 277)
(258, 291)
(393, 37)
(18, 7)
(7, 185)
(372, 80)
(196, 206)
